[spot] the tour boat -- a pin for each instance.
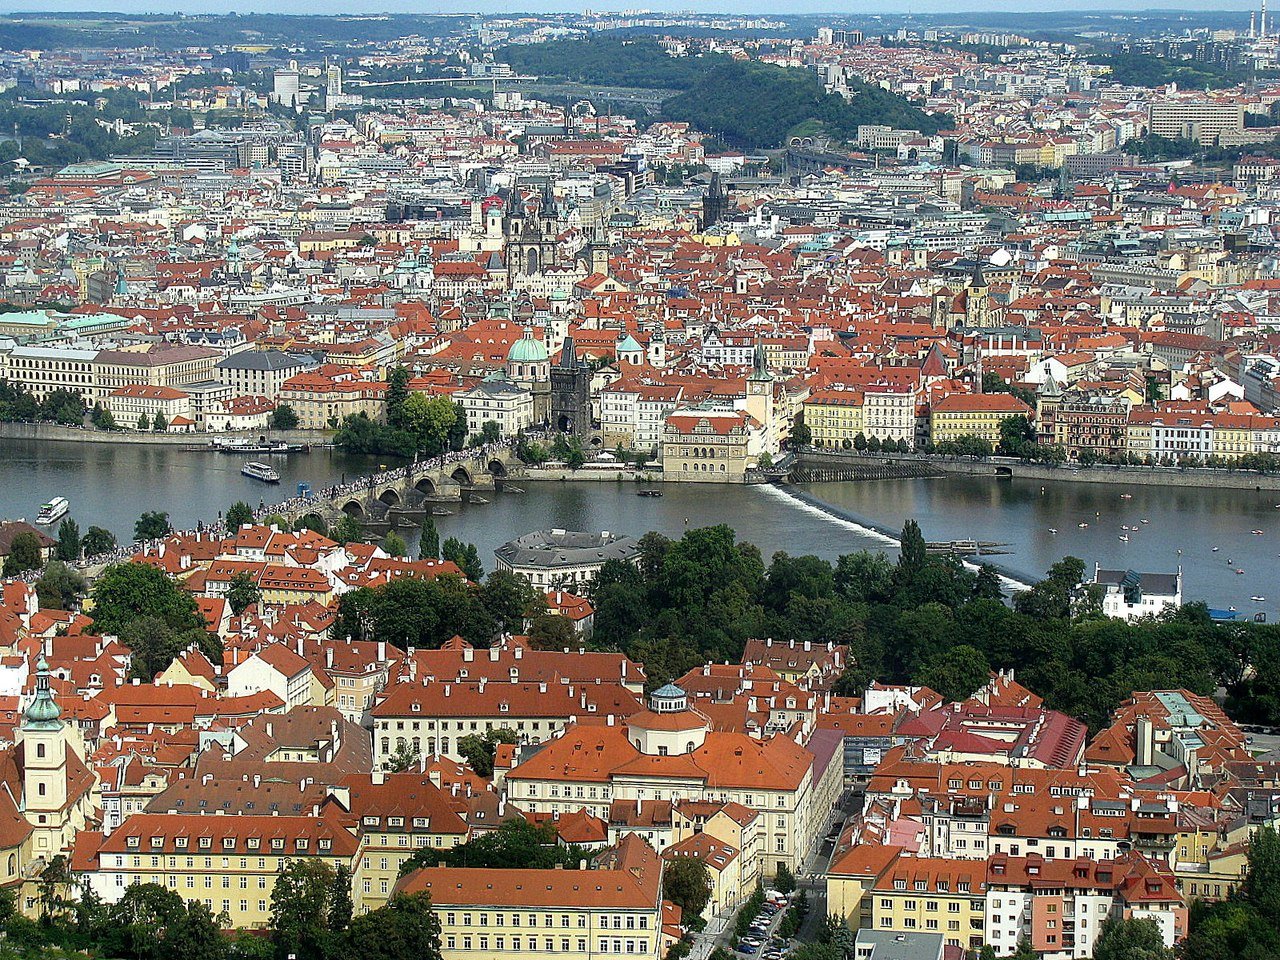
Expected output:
(258, 470)
(53, 511)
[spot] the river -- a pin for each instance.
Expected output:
(110, 485)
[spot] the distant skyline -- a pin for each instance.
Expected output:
(500, 7)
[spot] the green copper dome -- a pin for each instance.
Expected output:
(527, 350)
(44, 710)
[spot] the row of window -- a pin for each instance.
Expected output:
(546, 944)
(616, 921)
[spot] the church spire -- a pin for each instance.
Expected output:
(44, 712)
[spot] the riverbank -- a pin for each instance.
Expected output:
(611, 475)
(1008, 467)
(57, 431)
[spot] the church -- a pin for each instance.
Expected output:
(48, 794)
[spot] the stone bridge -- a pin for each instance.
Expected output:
(406, 493)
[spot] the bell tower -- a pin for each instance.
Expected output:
(44, 760)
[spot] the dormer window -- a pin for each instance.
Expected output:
(180, 842)
(253, 843)
(157, 841)
(326, 844)
(206, 843)
(228, 843)
(303, 843)
(133, 842)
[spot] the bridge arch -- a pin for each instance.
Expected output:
(462, 476)
(390, 496)
(353, 508)
(426, 486)
(313, 522)
(497, 468)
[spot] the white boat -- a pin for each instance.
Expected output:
(1126, 496)
(1053, 529)
(1258, 599)
(1144, 520)
(1256, 533)
(53, 511)
(1082, 525)
(260, 471)
(1124, 537)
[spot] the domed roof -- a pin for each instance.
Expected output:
(44, 710)
(669, 691)
(629, 344)
(527, 350)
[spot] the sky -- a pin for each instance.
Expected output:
(547, 6)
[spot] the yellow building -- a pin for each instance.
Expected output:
(396, 815)
(973, 415)
(834, 417)
(731, 824)
(228, 863)
(933, 895)
(614, 910)
(1233, 436)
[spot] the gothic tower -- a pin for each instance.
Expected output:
(571, 393)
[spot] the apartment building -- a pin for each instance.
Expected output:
(612, 910)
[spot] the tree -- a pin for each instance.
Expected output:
(24, 554)
(687, 884)
(1025, 951)
(860, 441)
(101, 418)
(1261, 885)
(126, 591)
(59, 586)
(429, 543)
(405, 927)
(1017, 436)
(144, 422)
(784, 881)
(1123, 939)
(465, 556)
(516, 845)
(550, 631)
(349, 529)
(283, 417)
(510, 599)
(160, 424)
(243, 592)
(956, 673)
(397, 393)
(195, 934)
(913, 554)
(478, 750)
(68, 548)
(136, 924)
(873, 445)
(801, 435)
(490, 432)
(304, 911)
(152, 525)
(97, 541)
(393, 545)
(238, 515)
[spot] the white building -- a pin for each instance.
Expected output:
(1130, 595)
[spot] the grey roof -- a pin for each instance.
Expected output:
(1165, 584)
(566, 548)
(264, 360)
(890, 945)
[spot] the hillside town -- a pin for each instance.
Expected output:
(591, 752)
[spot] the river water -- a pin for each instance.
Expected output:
(111, 484)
